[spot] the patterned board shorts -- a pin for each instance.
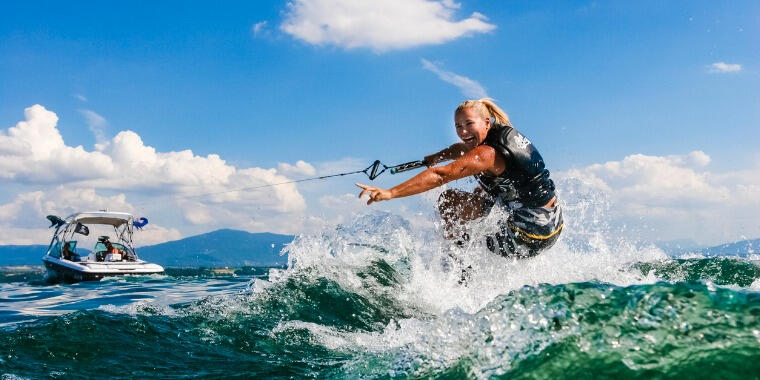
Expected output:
(527, 231)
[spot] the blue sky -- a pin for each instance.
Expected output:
(589, 82)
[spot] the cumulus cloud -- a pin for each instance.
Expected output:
(347, 164)
(469, 88)
(722, 67)
(245, 216)
(654, 180)
(22, 220)
(379, 25)
(30, 208)
(676, 197)
(11, 235)
(155, 234)
(300, 168)
(33, 154)
(198, 214)
(338, 208)
(96, 124)
(340, 201)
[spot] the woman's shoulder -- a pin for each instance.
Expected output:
(500, 133)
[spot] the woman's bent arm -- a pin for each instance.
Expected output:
(481, 159)
(453, 152)
(473, 162)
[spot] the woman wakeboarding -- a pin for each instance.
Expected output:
(511, 175)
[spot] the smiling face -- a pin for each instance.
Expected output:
(471, 127)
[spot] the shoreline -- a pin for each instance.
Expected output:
(169, 271)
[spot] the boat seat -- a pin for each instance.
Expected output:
(70, 253)
(113, 257)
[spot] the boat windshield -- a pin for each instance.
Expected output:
(67, 250)
(100, 247)
(94, 229)
(89, 235)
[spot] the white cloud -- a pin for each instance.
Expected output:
(258, 27)
(697, 158)
(341, 201)
(154, 234)
(96, 124)
(81, 98)
(675, 197)
(344, 165)
(469, 88)
(300, 168)
(245, 216)
(379, 25)
(11, 235)
(34, 154)
(337, 208)
(722, 67)
(26, 202)
(197, 213)
(22, 220)
(30, 208)
(655, 180)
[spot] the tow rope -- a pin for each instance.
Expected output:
(373, 171)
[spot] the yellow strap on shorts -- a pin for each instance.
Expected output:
(539, 237)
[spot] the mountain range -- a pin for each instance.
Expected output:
(233, 248)
(220, 248)
(742, 248)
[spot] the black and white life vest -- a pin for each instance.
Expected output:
(525, 178)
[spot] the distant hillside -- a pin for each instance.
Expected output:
(234, 248)
(22, 254)
(741, 248)
(680, 246)
(219, 248)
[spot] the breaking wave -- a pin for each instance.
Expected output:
(383, 297)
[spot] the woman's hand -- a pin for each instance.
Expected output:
(376, 194)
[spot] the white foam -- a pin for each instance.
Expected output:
(427, 284)
(144, 307)
(449, 318)
(755, 286)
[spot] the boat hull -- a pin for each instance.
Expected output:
(68, 271)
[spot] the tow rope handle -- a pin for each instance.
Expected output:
(373, 171)
(411, 165)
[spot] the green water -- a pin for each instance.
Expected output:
(378, 299)
(310, 326)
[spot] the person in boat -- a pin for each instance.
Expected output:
(511, 175)
(67, 252)
(111, 249)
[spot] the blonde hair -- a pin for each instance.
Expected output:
(486, 108)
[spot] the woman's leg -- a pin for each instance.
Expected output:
(458, 207)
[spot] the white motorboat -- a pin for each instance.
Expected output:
(112, 255)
